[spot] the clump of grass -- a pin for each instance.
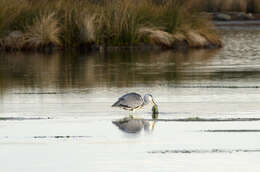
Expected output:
(44, 31)
(198, 36)
(118, 23)
(72, 23)
(195, 40)
(10, 11)
(68, 12)
(13, 41)
(157, 37)
(171, 15)
(17, 14)
(88, 29)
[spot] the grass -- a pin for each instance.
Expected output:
(72, 23)
(44, 31)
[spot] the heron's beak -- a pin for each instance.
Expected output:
(154, 102)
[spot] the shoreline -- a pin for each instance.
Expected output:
(178, 46)
(171, 28)
(178, 41)
(231, 23)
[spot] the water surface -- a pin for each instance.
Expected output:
(55, 109)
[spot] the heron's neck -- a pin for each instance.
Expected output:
(145, 102)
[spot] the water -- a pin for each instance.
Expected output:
(55, 109)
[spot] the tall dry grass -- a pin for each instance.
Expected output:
(88, 29)
(72, 23)
(11, 10)
(44, 31)
(117, 23)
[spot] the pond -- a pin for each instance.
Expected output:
(56, 115)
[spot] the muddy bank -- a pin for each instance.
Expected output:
(233, 16)
(234, 23)
(155, 39)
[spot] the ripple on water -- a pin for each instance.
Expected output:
(22, 118)
(199, 151)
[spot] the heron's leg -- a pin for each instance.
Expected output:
(132, 115)
(153, 124)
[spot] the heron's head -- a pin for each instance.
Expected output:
(148, 98)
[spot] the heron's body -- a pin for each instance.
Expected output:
(133, 101)
(130, 101)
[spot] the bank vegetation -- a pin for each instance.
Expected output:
(87, 24)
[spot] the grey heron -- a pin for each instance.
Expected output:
(133, 101)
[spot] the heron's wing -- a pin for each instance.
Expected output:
(130, 100)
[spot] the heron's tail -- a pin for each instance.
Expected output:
(116, 104)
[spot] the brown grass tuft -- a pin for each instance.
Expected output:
(78, 23)
(195, 40)
(13, 41)
(88, 29)
(212, 38)
(44, 31)
(158, 37)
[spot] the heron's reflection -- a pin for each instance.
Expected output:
(133, 125)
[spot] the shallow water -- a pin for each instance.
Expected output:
(55, 109)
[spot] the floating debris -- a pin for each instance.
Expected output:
(59, 137)
(41, 93)
(205, 151)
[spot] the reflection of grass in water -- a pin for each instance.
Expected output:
(31, 69)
